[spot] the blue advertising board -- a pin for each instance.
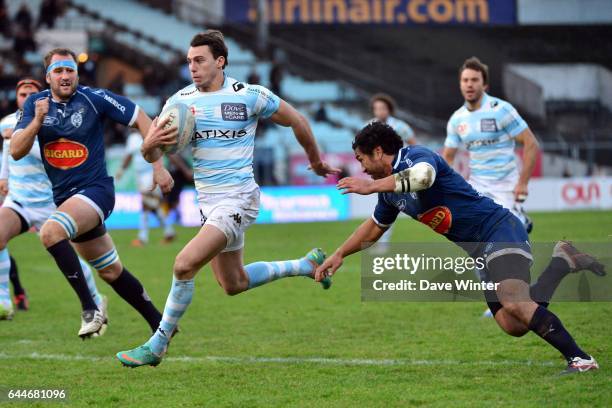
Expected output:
(383, 12)
(278, 205)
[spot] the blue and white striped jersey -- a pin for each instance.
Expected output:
(27, 180)
(488, 134)
(224, 139)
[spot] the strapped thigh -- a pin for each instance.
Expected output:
(105, 260)
(67, 223)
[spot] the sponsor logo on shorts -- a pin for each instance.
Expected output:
(237, 218)
(235, 112)
(65, 154)
(438, 219)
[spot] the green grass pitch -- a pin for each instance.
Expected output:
(290, 343)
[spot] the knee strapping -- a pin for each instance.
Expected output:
(106, 260)
(67, 223)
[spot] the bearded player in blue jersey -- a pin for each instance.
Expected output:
(68, 120)
(418, 182)
(29, 203)
(226, 113)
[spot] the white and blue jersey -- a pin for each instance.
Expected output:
(450, 207)
(71, 141)
(224, 138)
(27, 180)
(402, 128)
(488, 133)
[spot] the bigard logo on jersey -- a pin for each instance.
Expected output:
(65, 154)
(438, 219)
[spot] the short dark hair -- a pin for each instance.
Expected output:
(58, 51)
(378, 134)
(475, 64)
(386, 99)
(215, 41)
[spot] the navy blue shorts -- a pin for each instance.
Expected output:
(507, 255)
(100, 196)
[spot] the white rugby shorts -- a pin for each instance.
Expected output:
(232, 213)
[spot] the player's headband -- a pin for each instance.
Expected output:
(29, 81)
(62, 63)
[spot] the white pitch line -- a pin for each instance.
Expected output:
(294, 360)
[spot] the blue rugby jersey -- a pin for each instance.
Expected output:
(72, 136)
(488, 134)
(450, 207)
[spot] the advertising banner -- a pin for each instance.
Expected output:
(278, 205)
(383, 12)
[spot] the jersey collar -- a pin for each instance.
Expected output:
(397, 159)
(485, 99)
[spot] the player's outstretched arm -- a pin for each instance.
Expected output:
(23, 139)
(530, 153)
(416, 178)
(286, 115)
(364, 236)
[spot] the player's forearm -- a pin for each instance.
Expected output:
(530, 154)
(151, 154)
(305, 137)
(416, 178)
(366, 234)
(449, 155)
(22, 141)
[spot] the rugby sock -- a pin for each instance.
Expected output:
(543, 290)
(178, 300)
(14, 276)
(68, 262)
(5, 266)
(143, 231)
(91, 283)
(164, 223)
(172, 217)
(260, 273)
(545, 324)
(132, 291)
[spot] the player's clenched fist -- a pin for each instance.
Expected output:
(41, 108)
(329, 267)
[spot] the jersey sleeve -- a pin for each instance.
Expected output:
(27, 116)
(169, 102)
(452, 137)
(116, 107)
(265, 103)
(511, 122)
(384, 214)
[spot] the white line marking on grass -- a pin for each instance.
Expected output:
(294, 360)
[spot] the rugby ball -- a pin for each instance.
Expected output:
(180, 116)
